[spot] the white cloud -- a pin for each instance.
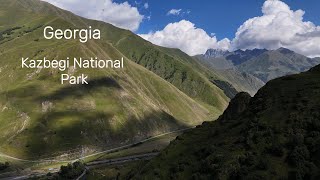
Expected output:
(279, 26)
(177, 12)
(223, 44)
(146, 5)
(185, 36)
(174, 12)
(122, 15)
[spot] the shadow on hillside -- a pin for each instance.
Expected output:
(83, 89)
(227, 88)
(57, 132)
(38, 93)
(23, 92)
(60, 132)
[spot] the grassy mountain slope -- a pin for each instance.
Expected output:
(276, 63)
(273, 135)
(215, 62)
(40, 118)
(239, 56)
(225, 71)
(258, 66)
(172, 65)
(242, 81)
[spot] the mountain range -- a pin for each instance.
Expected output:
(159, 90)
(261, 63)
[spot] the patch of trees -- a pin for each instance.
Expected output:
(7, 32)
(72, 171)
(33, 29)
(38, 52)
(227, 88)
(4, 166)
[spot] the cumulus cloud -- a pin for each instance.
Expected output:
(185, 36)
(279, 26)
(174, 12)
(122, 15)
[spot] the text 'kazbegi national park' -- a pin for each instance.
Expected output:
(64, 64)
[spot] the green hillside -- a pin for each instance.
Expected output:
(241, 81)
(172, 65)
(228, 77)
(159, 90)
(273, 135)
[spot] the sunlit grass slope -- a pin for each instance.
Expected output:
(156, 92)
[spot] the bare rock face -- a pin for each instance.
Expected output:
(46, 106)
(71, 70)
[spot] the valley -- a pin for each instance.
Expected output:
(82, 98)
(146, 149)
(116, 107)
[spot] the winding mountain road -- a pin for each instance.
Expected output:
(93, 164)
(94, 154)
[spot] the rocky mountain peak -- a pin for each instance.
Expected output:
(216, 53)
(285, 51)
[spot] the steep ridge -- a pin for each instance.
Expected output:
(277, 63)
(248, 70)
(239, 56)
(216, 53)
(215, 62)
(157, 91)
(273, 135)
(241, 81)
(224, 70)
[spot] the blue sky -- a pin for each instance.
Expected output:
(197, 25)
(222, 17)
